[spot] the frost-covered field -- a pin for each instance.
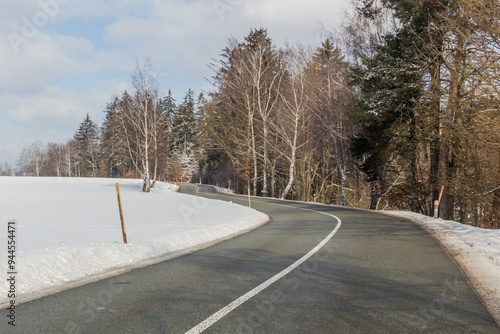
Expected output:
(68, 229)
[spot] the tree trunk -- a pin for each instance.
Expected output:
(266, 159)
(341, 167)
(254, 154)
(273, 179)
(446, 207)
(435, 112)
(495, 205)
(292, 167)
(290, 180)
(374, 195)
(414, 205)
(342, 186)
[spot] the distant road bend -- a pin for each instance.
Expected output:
(313, 269)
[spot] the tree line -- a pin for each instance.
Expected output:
(427, 105)
(280, 116)
(142, 136)
(402, 100)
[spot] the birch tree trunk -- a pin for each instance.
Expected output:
(446, 207)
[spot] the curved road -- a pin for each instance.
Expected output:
(313, 269)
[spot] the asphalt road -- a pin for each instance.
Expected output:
(373, 274)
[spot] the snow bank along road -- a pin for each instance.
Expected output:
(69, 230)
(311, 270)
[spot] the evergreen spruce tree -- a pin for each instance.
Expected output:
(184, 124)
(391, 87)
(166, 110)
(168, 106)
(115, 154)
(87, 149)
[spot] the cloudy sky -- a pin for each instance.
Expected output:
(62, 59)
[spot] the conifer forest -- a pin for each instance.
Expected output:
(401, 100)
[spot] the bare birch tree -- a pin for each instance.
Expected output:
(38, 156)
(265, 68)
(140, 121)
(291, 122)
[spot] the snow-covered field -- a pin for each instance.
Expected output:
(68, 230)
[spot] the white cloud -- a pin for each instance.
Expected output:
(188, 35)
(40, 61)
(55, 106)
(53, 116)
(15, 10)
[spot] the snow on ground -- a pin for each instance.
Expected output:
(223, 190)
(476, 250)
(68, 230)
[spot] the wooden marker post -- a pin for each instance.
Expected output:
(121, 212)
(436, 204)
(249, 203)
(436, 211)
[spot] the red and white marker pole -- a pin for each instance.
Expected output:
(436, 204)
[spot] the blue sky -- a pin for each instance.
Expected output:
(62, 59)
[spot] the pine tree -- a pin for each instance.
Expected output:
(184, 124)
(167, 104)
(166, 110)
(87, 149)
(391, 86)
(114, 150)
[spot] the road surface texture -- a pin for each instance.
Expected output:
(313, 269)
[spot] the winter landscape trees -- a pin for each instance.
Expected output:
(404, 101)
(423, 92)
(142, 135)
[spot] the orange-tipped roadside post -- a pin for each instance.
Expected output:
(121, 212)
(437, 203)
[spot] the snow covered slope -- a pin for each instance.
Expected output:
(68, 229)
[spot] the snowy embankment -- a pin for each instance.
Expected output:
(68, 230)
(475, 250)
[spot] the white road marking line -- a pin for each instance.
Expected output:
(202, 326)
